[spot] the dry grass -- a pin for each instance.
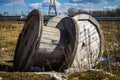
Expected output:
(111, 29)
(9, 31)
(23, 76)
(92, 75)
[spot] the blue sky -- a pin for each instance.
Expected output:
(14, 7)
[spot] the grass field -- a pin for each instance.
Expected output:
(9, 32)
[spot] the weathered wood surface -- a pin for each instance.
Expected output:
(90, 42)
(63, 54)
(26, 46)
(54, 20)
(49, 39)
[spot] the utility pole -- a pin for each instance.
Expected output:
(90, 12)
(52, 5)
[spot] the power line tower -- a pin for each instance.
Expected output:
(52, 5)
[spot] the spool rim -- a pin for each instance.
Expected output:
(21, 62)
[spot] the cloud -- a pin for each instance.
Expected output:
(75, 1)
(106, 8)
(91, 1)
(71, 5)
(110, 7)
(46, 3)
(11, 2)
(98, 9)
(80, 6)
(43, 4)
(35, 5)
(62, 11)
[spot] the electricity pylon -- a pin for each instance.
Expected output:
(52, 5)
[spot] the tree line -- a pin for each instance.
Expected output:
(98, 13)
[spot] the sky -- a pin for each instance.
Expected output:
(17, 7)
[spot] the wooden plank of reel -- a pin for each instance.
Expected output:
(50, 48)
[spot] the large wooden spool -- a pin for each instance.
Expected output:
(90, 43)
(50, 48)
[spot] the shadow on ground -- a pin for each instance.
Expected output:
(7, 67)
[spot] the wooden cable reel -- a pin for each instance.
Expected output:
(50, 48)
(90, 43)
